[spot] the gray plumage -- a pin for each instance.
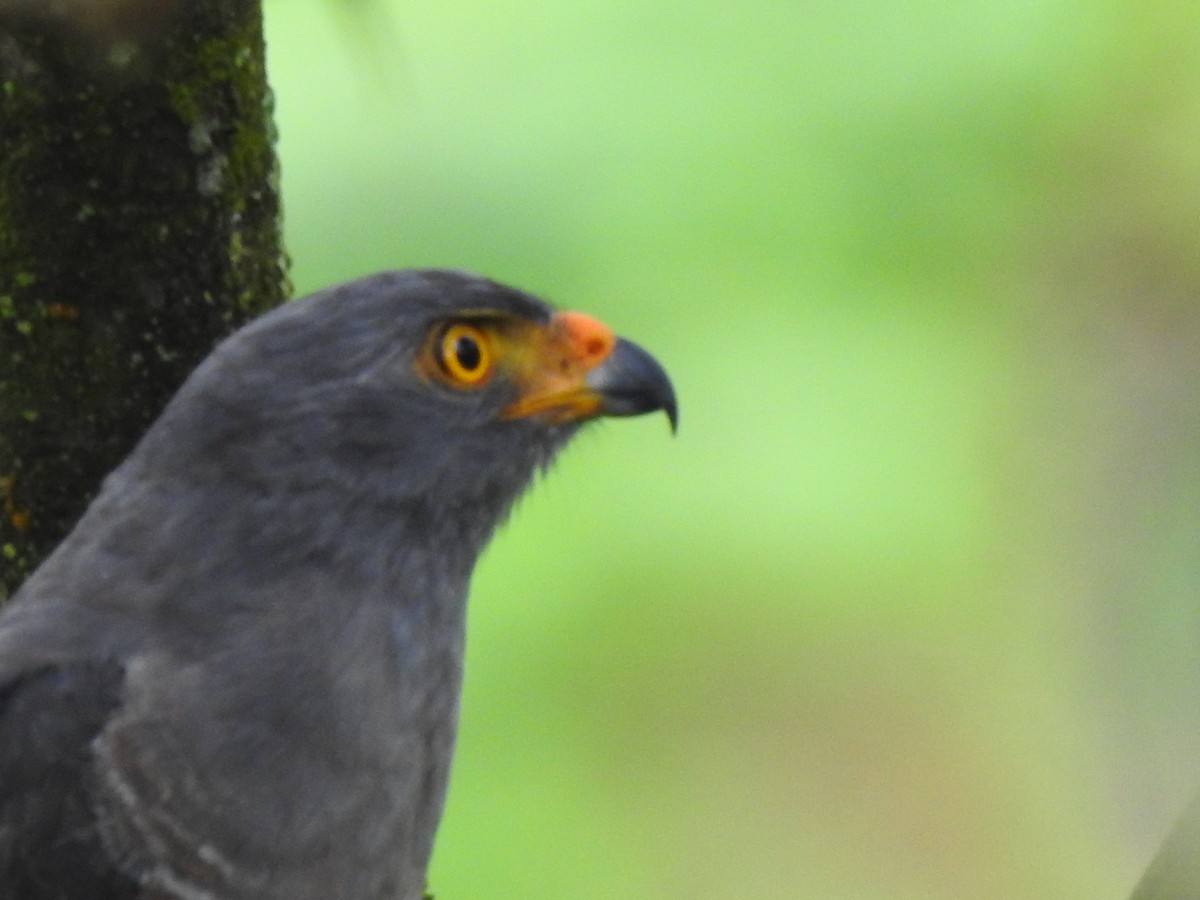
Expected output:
(238, 677)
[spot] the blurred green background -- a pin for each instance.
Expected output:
(908, 608)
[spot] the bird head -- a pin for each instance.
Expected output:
(429, 388)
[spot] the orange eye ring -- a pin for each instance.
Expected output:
(464, 354)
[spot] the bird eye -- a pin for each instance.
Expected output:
(465, 354)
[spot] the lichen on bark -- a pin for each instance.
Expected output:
(139, 223)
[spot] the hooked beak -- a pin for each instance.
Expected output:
(583, 371)
(630, 382)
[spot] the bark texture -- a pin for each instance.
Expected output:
(139, 223)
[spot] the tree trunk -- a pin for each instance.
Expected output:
(139, 223)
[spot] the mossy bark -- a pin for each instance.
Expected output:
(139, 222)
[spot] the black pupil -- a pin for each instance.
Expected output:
(466, 351)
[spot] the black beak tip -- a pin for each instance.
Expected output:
(632, 382)
(672, 411)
